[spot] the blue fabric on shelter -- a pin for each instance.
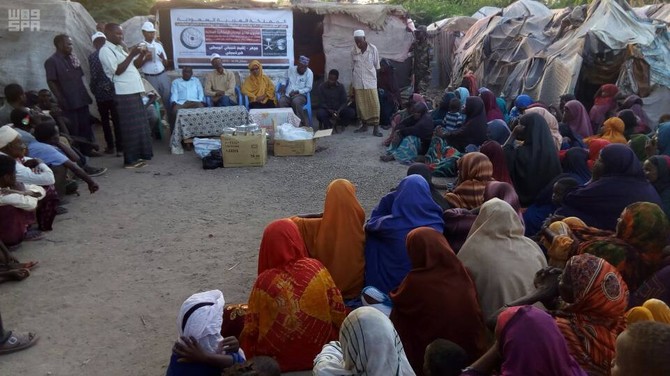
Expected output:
(399, 212)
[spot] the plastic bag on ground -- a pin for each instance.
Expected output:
(288, 132)
(203, 146)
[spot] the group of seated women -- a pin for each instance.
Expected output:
(548, 255)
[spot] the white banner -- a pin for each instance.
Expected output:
(237, 35)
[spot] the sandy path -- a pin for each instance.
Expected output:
(117, 267)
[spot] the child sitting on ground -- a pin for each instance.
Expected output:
(454, 118)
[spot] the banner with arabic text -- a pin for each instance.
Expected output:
(237, 35)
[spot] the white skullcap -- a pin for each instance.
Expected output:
(97, 35)
(214, 56)
(359, 33)
(201, 317)
(148, 26)
(7, 135)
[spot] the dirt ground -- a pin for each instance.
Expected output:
(118, 266)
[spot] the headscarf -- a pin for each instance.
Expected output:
(474, 172)
(399, 212)
(439, 290)
(338, 238)
(462, 94)
(662, 163)
(552, 123)
(575, 163)
(612, 131)
(652, 310)
(531, 344)
(579, 123)
(535, 163)
(281, 245)
(369, 345)
(596, 145)
(604, 103)
(502, 105)
(474, 126)
(505, 192)
(496, 155)
(201, 317)
(501, 261)
(620, 160)
(498, 131)
(256, 85)
(470, 82)
(630, 122)
(523, 101)
(425, 171)
(592, 322)
(638, 143)
(491, 106)
(663, 138)
(635, 103)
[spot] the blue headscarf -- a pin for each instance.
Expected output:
(663, 138)
(399, 212)
(462, 94)
(575, 163)
(498, 131)
(523, 101)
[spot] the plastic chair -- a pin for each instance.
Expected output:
(242, 100)
(307, 107)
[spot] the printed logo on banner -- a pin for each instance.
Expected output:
(274, 42)
(23, 20)
(191, 38)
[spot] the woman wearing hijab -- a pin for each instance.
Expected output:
(638, 142)
(618, 181)
(630, 123)
(470, 82)
(390, 98)
(636, 248)
(423, 170)
(575, 164)
(286, 274)
(496, 155)
(412, 137)
(491, 106)
(337, 238)
(402, 115)
(528, 342)
(439, 291)
(368, 345)
(259, 87)
(535, 163)
(596, 298)
(505, 192)
(634, 103)
(552, 123)
(657, 171)
(663, 138)
(577, 119)
(501, 261)
(498, 131)
(612, 131)
(473, 131)
(595, 147)
(474, 172)
(502, 105)
(199, 327)
(604, 105)
(399, 212)
(651, 310)
(462, 94)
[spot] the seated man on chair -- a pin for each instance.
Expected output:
(186, 92)
(333, 103)
(220, 84)
(294, 95)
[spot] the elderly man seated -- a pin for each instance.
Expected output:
(294, 95)
(186, 92)
(220, 84)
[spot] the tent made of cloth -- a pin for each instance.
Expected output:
(24, 52)
(446, 35)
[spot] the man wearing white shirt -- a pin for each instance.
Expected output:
(121, 67)
(154, 64)
(364, 81)
(294, 95)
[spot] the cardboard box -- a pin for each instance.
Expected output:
(269, 118)
(244, 150)
(284, 148)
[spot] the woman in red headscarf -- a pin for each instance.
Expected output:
(603, 106)
(295, 307)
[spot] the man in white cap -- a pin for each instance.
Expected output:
(299, 82)
(364, 82)
(220, 84)
(154, 63)
(103, 91)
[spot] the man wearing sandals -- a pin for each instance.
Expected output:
(15, 341)
(364, 82)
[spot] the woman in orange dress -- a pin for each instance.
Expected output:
(295, 307)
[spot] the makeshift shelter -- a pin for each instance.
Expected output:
(446, 35)
(575, 50)
(24, 51)
(322, 31)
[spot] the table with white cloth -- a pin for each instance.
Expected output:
(204, 122)
(269, 118)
